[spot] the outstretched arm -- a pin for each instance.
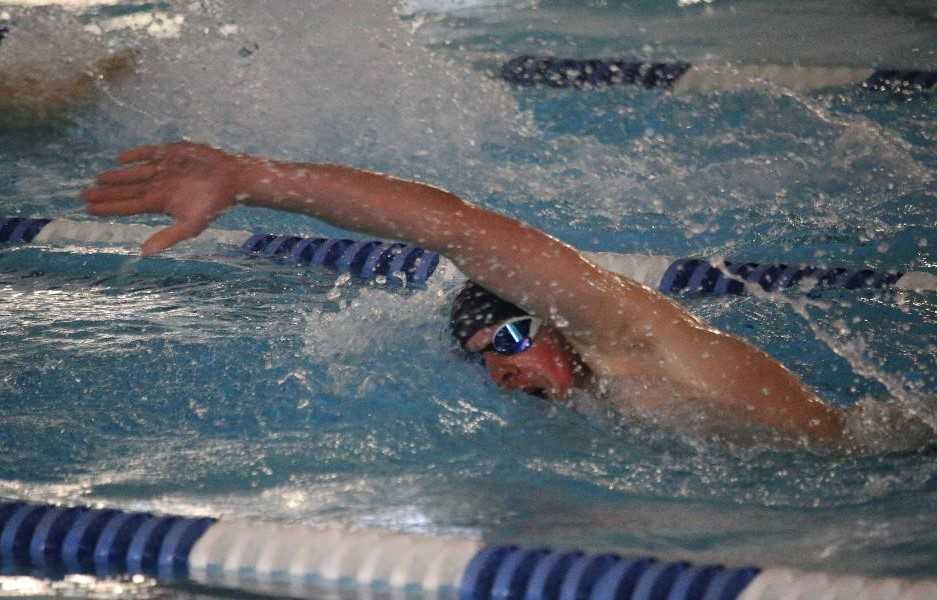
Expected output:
(617, 325)
(195, 183)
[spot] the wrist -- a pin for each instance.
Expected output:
(245, 173)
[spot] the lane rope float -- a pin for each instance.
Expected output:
(303, 562)
(405, 264)
(678, 76)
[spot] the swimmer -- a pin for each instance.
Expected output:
(542, 318)
(35, 90)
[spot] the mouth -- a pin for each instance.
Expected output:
(537, 392)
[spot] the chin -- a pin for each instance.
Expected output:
(555, 393)
(545, 392)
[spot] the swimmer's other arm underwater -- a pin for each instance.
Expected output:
(594, 326)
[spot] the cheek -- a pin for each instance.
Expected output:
(561, 371)
(499, 365)
(492, 365)
(553, 365)
(542, 365)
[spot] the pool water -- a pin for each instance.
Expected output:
(209, 383)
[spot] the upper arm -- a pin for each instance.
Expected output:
(554, 281)
(733, 374)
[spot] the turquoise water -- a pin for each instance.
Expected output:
(213, 384)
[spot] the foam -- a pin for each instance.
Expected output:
(76, 5)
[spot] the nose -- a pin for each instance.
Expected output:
(503, 374)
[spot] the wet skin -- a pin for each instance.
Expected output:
(614, 326)
(547, 369)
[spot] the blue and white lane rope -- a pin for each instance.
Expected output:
(302, 561)
(400, 263)
(679, 77)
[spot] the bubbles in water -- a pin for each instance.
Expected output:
(354, 82)
(342, 82)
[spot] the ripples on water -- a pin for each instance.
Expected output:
(214, 385)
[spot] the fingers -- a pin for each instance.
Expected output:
(118, 193)
(122, 208)
(129, 175)
(128, 183)
(143, 153)
(152, 186)
(170, 236)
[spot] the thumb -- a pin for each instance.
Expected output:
(175, 233)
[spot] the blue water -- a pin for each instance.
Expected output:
(214, 384)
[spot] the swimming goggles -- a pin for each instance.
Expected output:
(514, 335)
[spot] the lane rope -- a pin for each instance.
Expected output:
(557, 72)
(302, 562)
(404, 264)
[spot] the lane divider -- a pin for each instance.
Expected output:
(397, 262)
(551, 71)
(52, 541)
(400, 263)
(107, 542)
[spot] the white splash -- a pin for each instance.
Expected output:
(158, 24)
(66, 4)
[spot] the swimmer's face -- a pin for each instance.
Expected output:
(547, 368)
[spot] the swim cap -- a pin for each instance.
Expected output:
(475, 308)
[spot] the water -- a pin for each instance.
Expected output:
(218, 385)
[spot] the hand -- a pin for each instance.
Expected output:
(190, 182)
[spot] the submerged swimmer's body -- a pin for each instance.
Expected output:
(36, 88)
(579, 326)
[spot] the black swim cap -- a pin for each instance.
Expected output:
(475, 308)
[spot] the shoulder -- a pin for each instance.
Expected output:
(623, 356)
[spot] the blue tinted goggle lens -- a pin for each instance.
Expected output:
(515, 335)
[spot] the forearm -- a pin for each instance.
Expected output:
(194, 183)
(520, 263)
(358, 200)
(479, 241)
